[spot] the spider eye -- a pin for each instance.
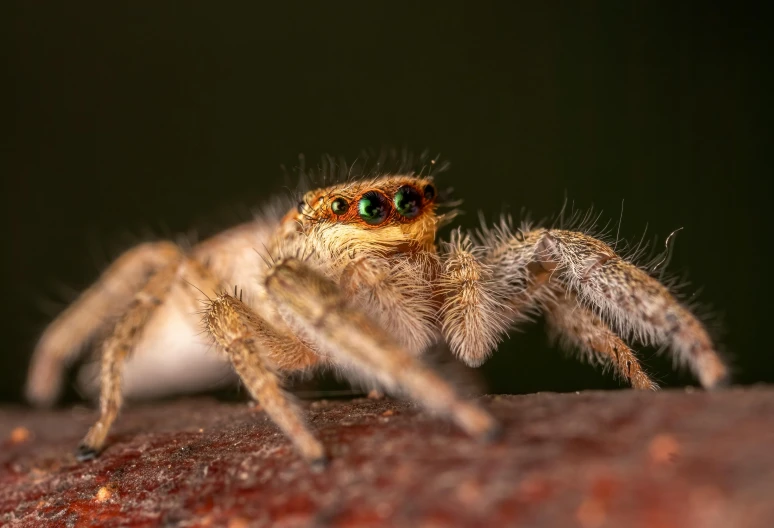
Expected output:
(408, 201)
(429, 192)
(373, 208)
(339, 206)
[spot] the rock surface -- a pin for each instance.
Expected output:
(599, 459)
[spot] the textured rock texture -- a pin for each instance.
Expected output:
(599, 459)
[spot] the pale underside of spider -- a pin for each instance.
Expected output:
(354, 278)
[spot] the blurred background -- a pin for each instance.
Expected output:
(131, 122)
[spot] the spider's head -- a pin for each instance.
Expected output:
(391, 211)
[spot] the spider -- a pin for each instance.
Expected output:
(354, 278)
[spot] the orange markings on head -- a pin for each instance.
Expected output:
(384, 201)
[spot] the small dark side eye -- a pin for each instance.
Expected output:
(339, 206)
(429, 192)
(408, 201)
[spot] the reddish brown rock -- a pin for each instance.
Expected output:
(597, 459)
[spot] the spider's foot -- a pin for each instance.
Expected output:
(714, 374)
(493, 434)
(85, 453)
(721, 383)
(318, 464)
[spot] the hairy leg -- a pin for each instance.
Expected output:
(315, 307)
(575, 326)
(397, 294)
(109, 296)
(481, 301)
(244, 337)
(633, 301)
(116, 348)
(514, 270)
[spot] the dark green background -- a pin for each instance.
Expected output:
(126, 122)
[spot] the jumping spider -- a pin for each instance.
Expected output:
(354, 278)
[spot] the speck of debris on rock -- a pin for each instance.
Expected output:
(103, 494)
(19, 435)
(591, 513)
(663, 448)
(238, 522)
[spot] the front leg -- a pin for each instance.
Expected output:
(486, 292)
(397, 294)
(315, 307)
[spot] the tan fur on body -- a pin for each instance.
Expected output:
(352, 278)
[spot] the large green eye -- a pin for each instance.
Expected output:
(408, 201)
(373, 208)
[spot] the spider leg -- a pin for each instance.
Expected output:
(628, 297)
(396, 295)
(315, 307)
(482, 299)
(116, 348)
(63, 339)
(576, 326)
(244, 337)
(524, 269)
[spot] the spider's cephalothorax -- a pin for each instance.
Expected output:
(352, 277)
(397, 213)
